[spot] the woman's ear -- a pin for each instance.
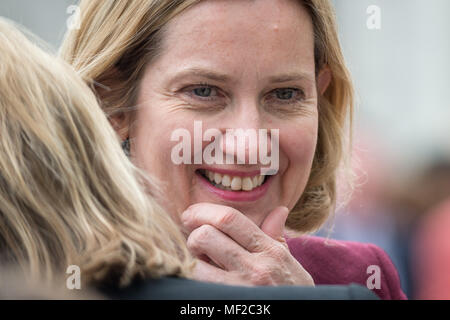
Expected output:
(323, 79)
(121, 124)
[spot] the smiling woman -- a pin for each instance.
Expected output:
(158, 66)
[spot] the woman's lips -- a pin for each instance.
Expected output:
(234, 187)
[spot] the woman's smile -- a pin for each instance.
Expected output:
(234, 185)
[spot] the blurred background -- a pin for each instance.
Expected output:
(398, 52)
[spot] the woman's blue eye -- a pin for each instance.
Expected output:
(204, 92)
(285, 94)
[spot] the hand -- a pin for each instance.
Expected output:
(233, 250)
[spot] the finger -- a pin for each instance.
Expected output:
(208, 273)
(274, 223)
(228, 220)
(217, 246)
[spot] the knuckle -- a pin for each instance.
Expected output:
(192, 209)
(278, 252)
(191, 244)
(185, 219)
(258, 242)
(262, 276)
(226, 218)
(200, 237)
(187, 216)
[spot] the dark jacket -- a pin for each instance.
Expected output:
(184, 289)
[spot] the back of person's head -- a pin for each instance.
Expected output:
(68, 194)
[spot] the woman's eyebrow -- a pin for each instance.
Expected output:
(200, 72)
(221, 77)
(291, 77)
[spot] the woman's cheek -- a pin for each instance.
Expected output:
(299, 146)
(300, 141)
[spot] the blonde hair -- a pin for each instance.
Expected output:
(117, 39)
(68, 194)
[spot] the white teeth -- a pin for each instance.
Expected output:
(236, 183)
(260, 180)
(226, 181)
(247, 184)
(217, 178)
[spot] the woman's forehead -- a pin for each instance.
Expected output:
(265, 34)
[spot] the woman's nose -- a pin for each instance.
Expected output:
(245, 137)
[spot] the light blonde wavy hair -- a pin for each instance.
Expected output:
(68, 194)
(117, 39)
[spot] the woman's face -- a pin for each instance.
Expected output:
(230, 65)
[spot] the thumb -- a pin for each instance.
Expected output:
(274, 223)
